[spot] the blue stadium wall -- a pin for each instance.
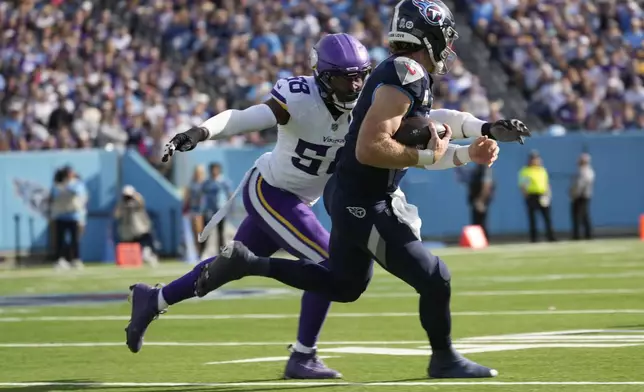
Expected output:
(25, 181)
(26, 177)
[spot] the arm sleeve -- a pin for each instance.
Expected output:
(447, 161)
(464, 125)
(233, 122)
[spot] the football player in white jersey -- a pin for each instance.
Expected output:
(312, 114)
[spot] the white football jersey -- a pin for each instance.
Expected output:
(302, 160)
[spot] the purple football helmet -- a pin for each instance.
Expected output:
(340, 64)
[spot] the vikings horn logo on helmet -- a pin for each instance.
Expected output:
(431, 12)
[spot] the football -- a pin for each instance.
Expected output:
(414, 132)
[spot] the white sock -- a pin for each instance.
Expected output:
(300, 348)
(161, 304)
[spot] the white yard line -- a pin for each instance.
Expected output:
(550, 277)
(338, 315)
(512, 293)
(333, 315)
(262, 359)
(205, 344)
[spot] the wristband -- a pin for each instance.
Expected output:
(486, 130)
(462, 153)
(426, 157)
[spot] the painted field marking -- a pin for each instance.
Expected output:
(464, 349)
(333, 315)
(264, 359)
(550, 277)
(202, 344)
(500, 293)
(610, 336)
(16, 310)
(314, 383)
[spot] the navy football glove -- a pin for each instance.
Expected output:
(509, 131)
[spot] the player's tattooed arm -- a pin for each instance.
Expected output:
(376, 146)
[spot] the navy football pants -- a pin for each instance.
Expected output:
(362, 232)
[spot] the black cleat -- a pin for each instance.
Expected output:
(450, 364)
(231, 264)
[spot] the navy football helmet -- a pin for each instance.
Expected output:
(427, 24)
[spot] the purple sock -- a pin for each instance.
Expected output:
(183, 288)
(312, 314)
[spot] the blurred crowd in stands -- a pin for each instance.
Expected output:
(580, 62)
(77, 74)
(115, 73)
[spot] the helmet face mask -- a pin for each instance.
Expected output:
(346, 86)
(340, 64)
(444, 59)
(428, 24)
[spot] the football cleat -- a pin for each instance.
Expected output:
(145, 309)
(450, 364)
(303, 366)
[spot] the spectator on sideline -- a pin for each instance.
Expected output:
(581, 192)
(535, 186)
(68, 210)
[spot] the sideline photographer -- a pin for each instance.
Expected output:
(134, 224)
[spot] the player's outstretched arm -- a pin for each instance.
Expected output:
(376, 146)
(464, 126)
(255, 118)
(228, 123)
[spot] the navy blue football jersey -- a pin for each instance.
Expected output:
(368, 182)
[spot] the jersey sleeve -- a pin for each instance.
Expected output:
(294, 95)
(280, 93)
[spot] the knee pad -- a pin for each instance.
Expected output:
(442, 270)
(349, 292)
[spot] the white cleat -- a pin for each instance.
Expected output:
(62, 265)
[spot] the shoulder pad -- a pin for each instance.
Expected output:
(292, 90)
(280, 92)
(408, 70)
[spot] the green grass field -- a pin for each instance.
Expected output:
(549, 317)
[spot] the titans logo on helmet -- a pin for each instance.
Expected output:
(431, 12)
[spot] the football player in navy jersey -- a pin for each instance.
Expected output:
(371, 219)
